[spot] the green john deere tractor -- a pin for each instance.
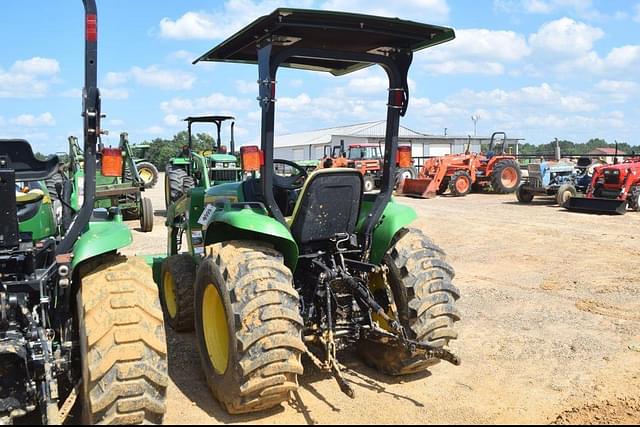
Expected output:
(117, 186)
(147, 171)
(202, 169)
(278, 266)
(80, 322)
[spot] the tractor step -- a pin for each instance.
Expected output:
(597, 205)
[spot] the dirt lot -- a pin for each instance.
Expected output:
(550, 330)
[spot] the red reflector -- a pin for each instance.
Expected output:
(92, 28)
(398, 98)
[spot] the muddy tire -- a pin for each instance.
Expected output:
(122, 342)
(460, 184)
(177, 183)
(523, 195)
(506, 177)
(565, 192)
(146, 215)
(176, 291)
(148, 174)
(424, 297)
(250, 352)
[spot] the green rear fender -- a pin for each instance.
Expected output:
(248, 224)
(394, 219)
(101, 238)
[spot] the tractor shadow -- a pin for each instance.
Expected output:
(186, 373)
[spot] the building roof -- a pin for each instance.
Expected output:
(607, 151)
(323, 136)
(365, 130)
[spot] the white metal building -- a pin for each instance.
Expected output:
(311, 145)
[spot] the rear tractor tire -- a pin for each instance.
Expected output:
(177, 183)
(248, 326)
(424, 297)
(176, 291)
(460, 184)
(565, 192)
(506, 177)
(123, 348)
(148, 174)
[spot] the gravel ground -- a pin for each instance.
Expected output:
(550, 330)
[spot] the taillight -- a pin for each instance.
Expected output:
(251, 158)
(404, 156)
(92, 28)
(111, 162)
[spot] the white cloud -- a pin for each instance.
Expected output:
(637, 13)
(530, 96)
(582, 8)
(29, 120)
(417, 10)
(244, 86)
(221, 23)
(216, 102)
(28, 78)
(152, 76)
(115, 94)
(474, 51)
(565, 37)
(619, 91)
(36, 66)
(155, 130)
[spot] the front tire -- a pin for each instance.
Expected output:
(369, 183)
(123, 348)
(424, 296)
(248, 326)
(146, 215)
(460, 184)
(178, 278)
(148, 174)
(523, 195)
(565, 192)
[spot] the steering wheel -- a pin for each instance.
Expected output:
(293, 182)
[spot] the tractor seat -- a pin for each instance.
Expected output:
(329, 204)
(28, 204)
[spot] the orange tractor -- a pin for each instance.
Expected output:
(463, 173)
(368, 159)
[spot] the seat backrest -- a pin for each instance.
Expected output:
(329, 204)
(17, 154)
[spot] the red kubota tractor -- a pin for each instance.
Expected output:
(368, 159)
(613, 189)
(463, 173)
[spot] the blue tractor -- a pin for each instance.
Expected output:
(559, 179)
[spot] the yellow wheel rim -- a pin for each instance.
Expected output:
(214, 326)
(145, 174)
(170, 294)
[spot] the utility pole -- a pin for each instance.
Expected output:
(475, 119)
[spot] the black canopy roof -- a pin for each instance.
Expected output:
(317, 29)
(208, 119)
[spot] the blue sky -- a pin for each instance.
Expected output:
(538, 69)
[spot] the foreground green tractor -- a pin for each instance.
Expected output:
(282, 265)
(147, 171)
(119, 186)
(80, 322)
(202, 169)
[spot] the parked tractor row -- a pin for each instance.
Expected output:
(263, 261)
